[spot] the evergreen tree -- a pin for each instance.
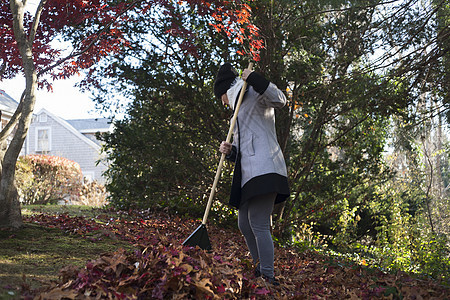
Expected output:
(164, 152)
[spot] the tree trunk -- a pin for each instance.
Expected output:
(10, 214)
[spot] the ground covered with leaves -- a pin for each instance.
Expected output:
(157, 266)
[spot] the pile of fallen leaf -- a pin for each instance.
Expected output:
(161, 268)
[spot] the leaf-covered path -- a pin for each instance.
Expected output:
(161, 268)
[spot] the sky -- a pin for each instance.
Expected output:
(66, 101)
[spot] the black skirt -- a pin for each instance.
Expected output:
(259, 185)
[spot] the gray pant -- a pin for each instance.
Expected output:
(254, 223)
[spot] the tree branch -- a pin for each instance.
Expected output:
(3, 68)
(427, 195)
(98, 35)
(37, 17)
(347, 8)
(13, 121)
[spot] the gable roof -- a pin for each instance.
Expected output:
(69, 127)
(7, 103)
(91, 125)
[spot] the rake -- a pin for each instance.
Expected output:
(200, 236)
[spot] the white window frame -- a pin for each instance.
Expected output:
(36, 139)
(43, 118)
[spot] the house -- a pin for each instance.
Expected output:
(7, 108)
(72, 139)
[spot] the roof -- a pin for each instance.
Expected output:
(71, 128)
(91, 125)
(7, 103)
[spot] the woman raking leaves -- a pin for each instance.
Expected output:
(260, 176)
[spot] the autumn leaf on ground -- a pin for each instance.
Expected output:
(159, 267)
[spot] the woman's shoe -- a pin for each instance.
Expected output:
(257, 272)
(271, 280)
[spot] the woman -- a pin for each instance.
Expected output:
(260, 176)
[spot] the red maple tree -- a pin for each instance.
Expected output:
(95, 28)
(100, 23)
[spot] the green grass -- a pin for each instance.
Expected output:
(72, 210)
(35, 253)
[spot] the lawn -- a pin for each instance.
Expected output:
(36, 253)
(78, 252)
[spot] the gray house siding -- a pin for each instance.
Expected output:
(7, 108)
(72, 139)
(59, 138)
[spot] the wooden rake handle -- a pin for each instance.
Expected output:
(222, 158)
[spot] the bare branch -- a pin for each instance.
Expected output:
(13, 122)
(347, 8)
(37, 17)
(427, 195)
(17, 8)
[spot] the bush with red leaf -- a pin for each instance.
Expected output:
(43, 179)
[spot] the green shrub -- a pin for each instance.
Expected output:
(45, 179)
(430, 254)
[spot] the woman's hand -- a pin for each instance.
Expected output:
(225, 148)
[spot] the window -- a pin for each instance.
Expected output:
(43, 118)
(43, 140)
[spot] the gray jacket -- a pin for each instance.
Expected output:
(255, 135)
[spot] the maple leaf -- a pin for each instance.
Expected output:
(167, 270)
(262, 291)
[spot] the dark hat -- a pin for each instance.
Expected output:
(225, 77)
